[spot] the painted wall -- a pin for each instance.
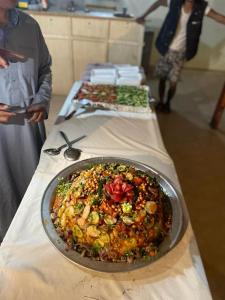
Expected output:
(211, 53)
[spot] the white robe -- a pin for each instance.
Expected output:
(24, 82)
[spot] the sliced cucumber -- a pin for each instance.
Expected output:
(127, 220)
(70, 212)
(110, 220)
(151, 207)
(103, 240)
(93, 218)
(93, 231)
(126, 208)
(77, 232)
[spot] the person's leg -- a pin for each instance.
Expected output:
(162, 88)
(171, 93)
(161, 70)
(177, 61)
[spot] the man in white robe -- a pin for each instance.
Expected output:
(25, 82)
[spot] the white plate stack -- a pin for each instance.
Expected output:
(118, 75)
(104, 76)
(129, 75)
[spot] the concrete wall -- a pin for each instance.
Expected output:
(211, 53)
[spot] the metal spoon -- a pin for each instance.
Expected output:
(70, 153)
(56, 151)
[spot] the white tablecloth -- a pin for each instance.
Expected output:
(32, 269)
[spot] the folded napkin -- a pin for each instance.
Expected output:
(103, 79)
(128, 68)
(135, 75)
(128, 81)
(106, 71)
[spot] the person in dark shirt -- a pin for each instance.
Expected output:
(178, 40)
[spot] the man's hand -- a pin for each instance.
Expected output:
(216, 16)
(6, 55)
(37, 113)
(3, 62)
(4, 114)
(152, 8)
(140, 20)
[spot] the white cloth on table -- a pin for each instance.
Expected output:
(31, 268)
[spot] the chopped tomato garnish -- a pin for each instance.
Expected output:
(137, 180)
(119, 189)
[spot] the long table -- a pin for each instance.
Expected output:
(30, 266)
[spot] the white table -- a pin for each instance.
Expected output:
(31, 268)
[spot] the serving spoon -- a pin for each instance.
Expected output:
(83, 103)
(70, 153)
(56, 151)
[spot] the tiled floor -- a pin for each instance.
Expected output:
(199, 156)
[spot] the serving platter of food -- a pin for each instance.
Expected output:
(122, 98)
(111, 214)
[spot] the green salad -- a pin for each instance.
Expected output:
(132, 95)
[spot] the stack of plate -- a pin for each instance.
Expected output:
(118, 75)
(129, 75)
(103, 76)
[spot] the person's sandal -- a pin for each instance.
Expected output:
(166, 108)
(159, 107)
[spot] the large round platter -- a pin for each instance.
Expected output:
(175, 234)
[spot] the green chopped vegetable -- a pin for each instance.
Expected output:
(103, 240)
(78, 208)
(93, 218)
(132, 95)
(122, 168)
(95, 249)
(63, 187)
(109, 220)
(129, 253)
(129, 176)
(77, 232)
(100, 188)
(126, 208)
(127, 220)
(95, 201)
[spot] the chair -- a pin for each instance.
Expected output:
(219, 110)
